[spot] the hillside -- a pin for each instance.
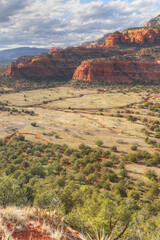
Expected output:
(26, 223)
(82, 185)
(95, 43)
(153, 22)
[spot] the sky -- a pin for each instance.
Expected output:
(48, 23)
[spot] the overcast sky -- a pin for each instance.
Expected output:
(47, 23)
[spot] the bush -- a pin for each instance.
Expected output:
(88, 169)
(106, 154)
(34, 124)
(123, 173)
(134, 147)
(107, 163)
(114, 148)
(157, 135)
(99, 143)
(151, 174)
(132, 158)
(131, 118)
(134, 194)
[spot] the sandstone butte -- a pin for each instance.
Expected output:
(118, 71)
(141, 36)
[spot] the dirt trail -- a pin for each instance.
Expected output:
(149, 98)
(98, 122)
(53, 100)
(35, 135)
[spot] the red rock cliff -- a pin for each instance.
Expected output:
(142, 36)
(118, 71)
(60, 64)
(54, 49)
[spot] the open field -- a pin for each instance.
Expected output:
(75, 116)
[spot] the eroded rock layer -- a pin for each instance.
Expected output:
(57, 65)
(118, 71)
(140, 36)
(130, 56)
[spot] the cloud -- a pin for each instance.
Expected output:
(9, 8)
(47, 23)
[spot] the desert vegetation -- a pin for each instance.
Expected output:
(87, 186)
(93, 160)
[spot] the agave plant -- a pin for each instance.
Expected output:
(99, 236)
(103, 236)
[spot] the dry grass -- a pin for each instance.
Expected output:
(5, 233)
(70, 127)
(15, 221)
(136, 171)
(103, 100)
(38, 96)
(15, 216)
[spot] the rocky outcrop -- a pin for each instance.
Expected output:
(114, 39)
(54, 49)
(118, 71)
(140, 36)
(110, 65)
(153, 22)
(60, 65)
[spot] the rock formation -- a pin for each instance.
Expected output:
(130, 56)
(140, 36)
(59, 65)
(118, 71)
(54, 49)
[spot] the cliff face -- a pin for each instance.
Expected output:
(141, 37)
(114, 39)
(118, 71)
(54, 49)
(135, 59)
(57, 65)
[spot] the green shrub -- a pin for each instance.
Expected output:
(114, 148)
(134, 147)
(107, 163)
(151, 174)
(99, 143)
(34, 124)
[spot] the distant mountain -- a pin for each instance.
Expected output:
(11, 54)
(153, 22)
(95, 43)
